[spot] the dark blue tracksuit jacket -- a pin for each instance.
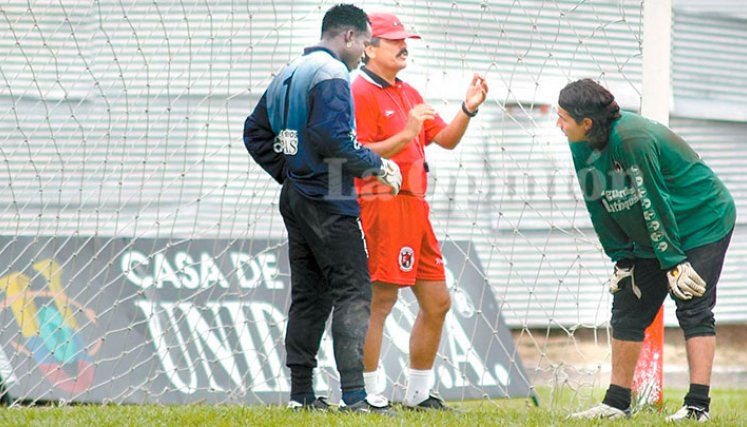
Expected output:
(303, 130)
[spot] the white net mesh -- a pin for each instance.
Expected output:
(142, 247)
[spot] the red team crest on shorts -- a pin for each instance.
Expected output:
(406, 258)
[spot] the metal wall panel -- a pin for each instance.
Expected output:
(125, 120)
(722, 8)
(709, 66)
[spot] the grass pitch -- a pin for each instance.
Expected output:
(727, 409)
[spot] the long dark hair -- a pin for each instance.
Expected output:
(587, 98)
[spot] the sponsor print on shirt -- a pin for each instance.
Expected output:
(620, 200)
(623, 199)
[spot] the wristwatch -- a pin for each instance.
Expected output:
(467, 112)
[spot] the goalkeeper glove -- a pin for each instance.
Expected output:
(621, 273)
(390, 175)
(684, 282)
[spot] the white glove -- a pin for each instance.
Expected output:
(684, 281)
(390, 175)
(621, 273)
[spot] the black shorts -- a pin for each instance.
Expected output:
(631, 316)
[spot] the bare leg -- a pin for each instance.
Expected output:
(434, 301)
(383, 298)
(700, 353)
(624, 360)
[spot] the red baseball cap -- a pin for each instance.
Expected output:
(387, 26)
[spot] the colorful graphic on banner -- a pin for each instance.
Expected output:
(49, 328)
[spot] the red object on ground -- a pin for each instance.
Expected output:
(648, 381)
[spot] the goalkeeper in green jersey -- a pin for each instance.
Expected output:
(665, 219)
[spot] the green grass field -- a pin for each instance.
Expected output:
(727, 409)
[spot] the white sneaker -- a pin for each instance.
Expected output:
(377, 400)
(688, 412)
(601, 411)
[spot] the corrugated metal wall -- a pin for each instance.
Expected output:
(721, 8)
(710, 65)
(125, 120)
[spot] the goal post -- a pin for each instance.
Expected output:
(656, 99)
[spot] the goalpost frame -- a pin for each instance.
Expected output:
(656, 99)
(656, 96)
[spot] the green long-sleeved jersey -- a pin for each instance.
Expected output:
(650, 195)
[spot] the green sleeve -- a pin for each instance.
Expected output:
(615, 242)
(617, 245)
(645, 172)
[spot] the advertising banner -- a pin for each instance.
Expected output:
(167, 321)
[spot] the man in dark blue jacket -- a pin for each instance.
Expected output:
(302, 132)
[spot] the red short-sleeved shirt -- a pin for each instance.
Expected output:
(402, 246)
(381, 110)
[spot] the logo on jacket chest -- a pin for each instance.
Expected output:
(286, 142)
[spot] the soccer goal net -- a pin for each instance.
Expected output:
(142, 255)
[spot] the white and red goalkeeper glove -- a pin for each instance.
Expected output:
(684, 281)
(390, 175)
(621, 273)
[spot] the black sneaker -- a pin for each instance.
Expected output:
(319, 404)
(432, 403)
(365, 407)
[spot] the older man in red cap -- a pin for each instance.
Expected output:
(393, 120)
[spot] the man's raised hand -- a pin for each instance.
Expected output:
(476, 93)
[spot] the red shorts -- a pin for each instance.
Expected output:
(402, 246)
